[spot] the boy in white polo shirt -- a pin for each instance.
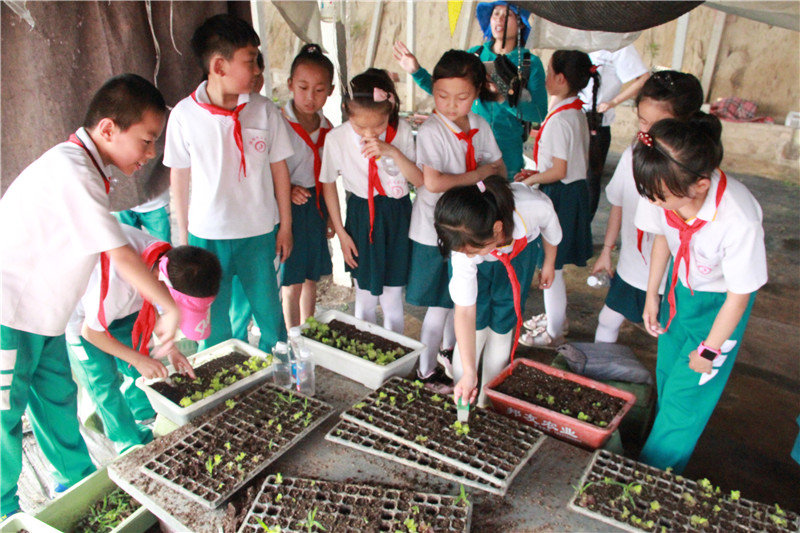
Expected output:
(231, 145)
(99, 361)
(56, 221)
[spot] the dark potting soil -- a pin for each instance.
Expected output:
(107, 513)
(223, 454)
(561, 395)
(351, 332)
(185, 387)
(639, 496)
(313, 505)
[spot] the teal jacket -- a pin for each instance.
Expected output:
(507, 129)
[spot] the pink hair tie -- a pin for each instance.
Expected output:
(379, 95)
(645, 138)
(481, 186)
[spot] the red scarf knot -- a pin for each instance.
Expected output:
(237, 127)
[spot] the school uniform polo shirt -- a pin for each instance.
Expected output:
(566, 136)
(439, 148)
(615, 69)
(342, 157)
(633, 266)
(55, 220)
(533, 216)
(301, 163)
(226, 203)
(122, 298)
(728, 253)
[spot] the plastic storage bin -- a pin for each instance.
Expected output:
(182, 415)
(356, 368)
(554, 423)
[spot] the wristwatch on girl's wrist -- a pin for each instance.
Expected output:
(707, 353)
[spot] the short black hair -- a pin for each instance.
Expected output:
(461, 64)
(311, 54)
(194, 271)
(465, 216)
(222, 34)
(124, 99)
(362, 94)
(682, 153)
(680, 91)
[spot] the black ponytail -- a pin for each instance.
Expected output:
(677, 154)
(465, 216)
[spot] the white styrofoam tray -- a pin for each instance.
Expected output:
(21, 521)
(182, 415)
(357, 368)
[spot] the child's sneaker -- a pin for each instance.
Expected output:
(540, 321)
(445, 358)
(438, 381)
(540, 338)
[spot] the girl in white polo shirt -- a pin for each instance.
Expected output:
(489, 227)
(454, 147)
(711, 226)
(667, 94)
(561, 156)
(373, 152)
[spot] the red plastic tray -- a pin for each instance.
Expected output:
(554, 423)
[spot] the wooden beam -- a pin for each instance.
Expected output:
(713, 51)
(467, 8)
(374, 31)
(411, 25)
(261, 24)
(681, 31)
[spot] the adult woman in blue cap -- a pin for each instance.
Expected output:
(505, 36)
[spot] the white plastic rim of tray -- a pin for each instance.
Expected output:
(183, 415)
(19, 521)
(431, 469)
(358, 369)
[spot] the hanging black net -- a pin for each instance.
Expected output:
(609, 15)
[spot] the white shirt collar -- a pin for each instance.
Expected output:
(202, 95)
(709, 208)
(84, 136)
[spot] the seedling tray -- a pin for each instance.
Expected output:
(182, 415)
(494, 449)
(351, 507)
(364, 440)
(554, 423)
(683, 505)
(357, 368)
(266, 423)
(21, 521)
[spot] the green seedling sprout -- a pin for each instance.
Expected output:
(698, 521)
(265, 527)
(230, 404)
(227, 445)
(311, 521)
(655, 506)
(421, 438)
(551, 400)
(359, 405)
(185, 401)
(735, 495)
(436, 398)
(411, 525)
(461, 429)
(462, 496)
(583, 416)
(278, 478)
(240, 457)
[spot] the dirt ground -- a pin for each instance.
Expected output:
(747, 442)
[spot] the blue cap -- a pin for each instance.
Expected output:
(484, 14)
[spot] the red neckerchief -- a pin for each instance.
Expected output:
(104, 260)
(686, 231)
(519, 245)
(575, 104)
(237, 126)
(639, 239)
(374, 181)
(469, 158)
(315, 148)
(146, 320)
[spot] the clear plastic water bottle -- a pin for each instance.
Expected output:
(599, 280)
(295, 345)
(282, 369)
(390, 166)
(306, 382)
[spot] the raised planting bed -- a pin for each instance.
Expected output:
(362, 439)
(96, 504)
(222, 371)
(304, 505)
(637, 497)
(570, 407)
(490, 446)
(222, 455)
(377, 353)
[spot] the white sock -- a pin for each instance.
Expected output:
(480, 342)
(392, 306)
(366, 305)
(608, 324)
(496, 357)
(555, 305)
(431, 336)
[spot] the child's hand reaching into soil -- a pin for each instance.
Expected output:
(466, 388)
